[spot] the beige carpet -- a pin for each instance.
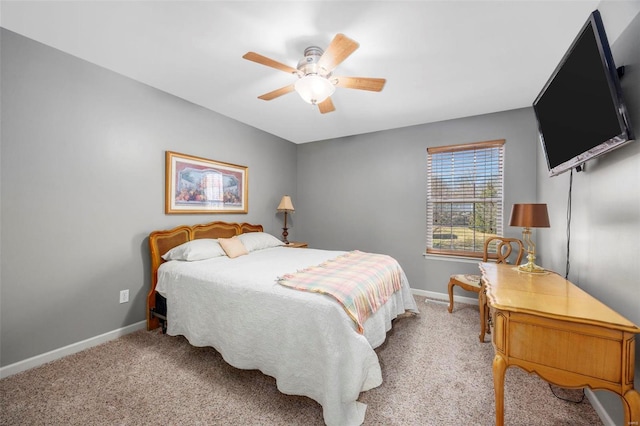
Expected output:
(435, 372)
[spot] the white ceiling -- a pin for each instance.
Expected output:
(441, 59)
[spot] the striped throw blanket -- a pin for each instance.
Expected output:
(361, 282)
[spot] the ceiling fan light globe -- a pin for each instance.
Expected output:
(314, 89)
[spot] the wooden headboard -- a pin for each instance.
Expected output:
(162, 241)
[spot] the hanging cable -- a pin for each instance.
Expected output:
(568, 264)
(578, 401)
(566, 276)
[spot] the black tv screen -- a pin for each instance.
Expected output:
(580, 110)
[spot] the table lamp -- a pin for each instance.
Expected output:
(285, 206)
(529, 216)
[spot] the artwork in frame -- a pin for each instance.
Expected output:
(198, 185)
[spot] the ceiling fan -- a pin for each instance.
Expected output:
(316, 82)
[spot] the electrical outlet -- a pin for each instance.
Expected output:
(124, 296)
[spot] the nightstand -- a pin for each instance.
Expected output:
(296, 244)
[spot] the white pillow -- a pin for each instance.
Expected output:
(204, 248)
(259, 240)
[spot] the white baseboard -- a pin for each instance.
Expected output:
(444, 297)
(55, 354)
(595, 403)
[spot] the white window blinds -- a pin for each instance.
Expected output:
(464, 197)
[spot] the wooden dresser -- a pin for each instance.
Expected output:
(546, 325)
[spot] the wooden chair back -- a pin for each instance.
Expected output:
(505, 247)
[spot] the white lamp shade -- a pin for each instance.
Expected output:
(314, 89)
(285, 204)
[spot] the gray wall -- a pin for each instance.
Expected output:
(82, 185)
(369, 191)
(605, 215)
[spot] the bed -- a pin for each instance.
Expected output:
(306, 340)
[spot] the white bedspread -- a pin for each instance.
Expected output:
(305, 340)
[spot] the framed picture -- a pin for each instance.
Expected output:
(199, 185)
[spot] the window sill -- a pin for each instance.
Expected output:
(447, 258)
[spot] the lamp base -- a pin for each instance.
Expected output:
(530, 267)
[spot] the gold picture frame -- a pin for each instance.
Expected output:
(199, 185)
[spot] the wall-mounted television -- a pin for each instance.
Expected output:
(580, 110)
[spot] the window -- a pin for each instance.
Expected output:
(464, 197)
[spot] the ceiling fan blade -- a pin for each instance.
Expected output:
(278, 92)
(340, 48)
(263, 60)
(361, 83)
(326, 106)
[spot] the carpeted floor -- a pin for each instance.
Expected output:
(435, 372)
